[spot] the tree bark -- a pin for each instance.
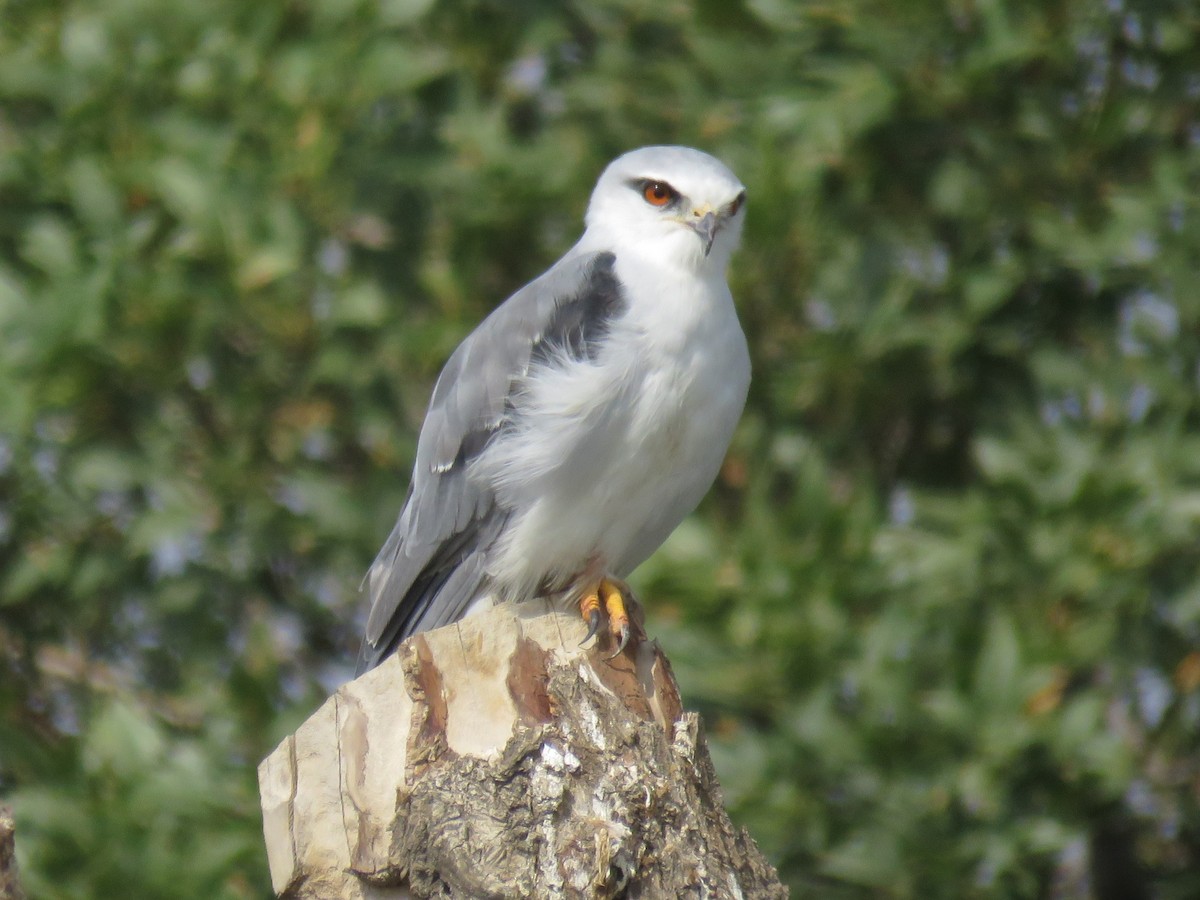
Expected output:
(497, 758)
(10, 888)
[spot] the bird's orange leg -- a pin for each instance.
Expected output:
(609, 594)
(589, 608)
(618, 617)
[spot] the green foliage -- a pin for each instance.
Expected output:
(941, 612)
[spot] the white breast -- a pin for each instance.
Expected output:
(608, 456)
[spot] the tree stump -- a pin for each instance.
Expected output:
(497, 758)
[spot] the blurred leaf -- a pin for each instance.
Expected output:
(939, 610)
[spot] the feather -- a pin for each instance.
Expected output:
(433, 565)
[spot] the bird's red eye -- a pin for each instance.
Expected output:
(657, 193)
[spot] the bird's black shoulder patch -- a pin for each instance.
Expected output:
(582, 320)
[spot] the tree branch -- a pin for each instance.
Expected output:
(10, 888)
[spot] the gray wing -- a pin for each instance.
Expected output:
(434, 563)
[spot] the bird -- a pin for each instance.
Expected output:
(582, 420)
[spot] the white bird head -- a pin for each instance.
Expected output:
(675, 204)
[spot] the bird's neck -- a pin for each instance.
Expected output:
(671, 305)
(679, 260)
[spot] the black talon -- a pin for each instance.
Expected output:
(625, 629)
(593, 626)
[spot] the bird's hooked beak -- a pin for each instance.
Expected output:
(706, 226)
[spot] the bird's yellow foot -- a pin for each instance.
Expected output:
(610, 594)
(618, 616)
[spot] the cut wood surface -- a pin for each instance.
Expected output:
(497, 758)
